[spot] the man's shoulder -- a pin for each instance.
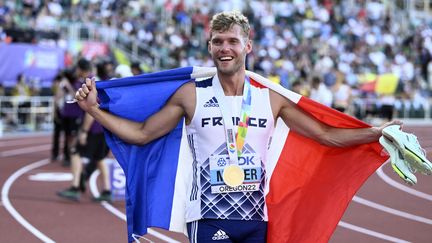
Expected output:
(185, 97)
(277, 100)
(188, 86)
(186, 91)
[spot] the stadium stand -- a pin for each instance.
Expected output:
(379, 48)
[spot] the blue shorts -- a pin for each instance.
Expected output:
(223, 230)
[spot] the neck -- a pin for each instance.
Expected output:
(232, 84)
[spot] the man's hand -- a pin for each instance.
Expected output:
(87, 95)
(390, 123)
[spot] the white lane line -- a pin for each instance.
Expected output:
(402, 187)
(371, 232)
(26, 150)
(20, 142)
(7, 204)
(118, 213)
(392, 210)
(360, 200)
(24, 135)
(115, 211)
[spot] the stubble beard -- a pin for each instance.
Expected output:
(230, 69)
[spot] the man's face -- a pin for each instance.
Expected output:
(229, 49)
(82, 74)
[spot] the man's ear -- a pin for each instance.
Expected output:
(248, 46)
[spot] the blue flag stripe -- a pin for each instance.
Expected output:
(150, 170)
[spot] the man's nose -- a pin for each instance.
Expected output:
(225, 46)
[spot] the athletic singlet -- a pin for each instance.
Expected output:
(209, 197)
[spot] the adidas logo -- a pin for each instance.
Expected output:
(212, 103)
(220, 235)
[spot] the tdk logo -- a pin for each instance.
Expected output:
(212, 103)
(218, 121)
(246, 160)
(242, 160)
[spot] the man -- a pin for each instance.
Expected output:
(136, 68)
(91, 146)
(57, 118)
(71, 114)
(214, 111)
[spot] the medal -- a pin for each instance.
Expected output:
(233, 175)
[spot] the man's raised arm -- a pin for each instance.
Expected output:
(133, 132)
(310, 127)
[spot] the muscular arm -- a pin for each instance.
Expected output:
(159, 124)
(308, 126)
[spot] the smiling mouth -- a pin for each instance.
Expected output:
(225, 59)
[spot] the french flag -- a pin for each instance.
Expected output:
(309, 184)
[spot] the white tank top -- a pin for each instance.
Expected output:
(209, 197)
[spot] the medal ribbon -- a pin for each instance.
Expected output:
(244, 117)
(234, 143)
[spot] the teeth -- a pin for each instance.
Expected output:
(225, 58)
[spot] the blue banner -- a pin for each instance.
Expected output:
(39, 64)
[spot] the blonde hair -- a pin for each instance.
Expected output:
(226, 20)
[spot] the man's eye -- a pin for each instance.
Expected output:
(216, 42)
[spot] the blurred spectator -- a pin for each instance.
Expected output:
(342, 95)
(105, 69)
(296, 39)
(22, 93)
(71, 113)
(386, 102)
(419, 103)
(122, 71)
(21, 89)
(320, 92)
(59, 100)
(298, 87)
(92, 148)
(136, 68)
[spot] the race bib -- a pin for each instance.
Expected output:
(251, 165)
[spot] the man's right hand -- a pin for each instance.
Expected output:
(87, 95)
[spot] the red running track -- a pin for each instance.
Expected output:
(384, 210)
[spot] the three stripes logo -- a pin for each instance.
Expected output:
(220, 235)
(212, 103)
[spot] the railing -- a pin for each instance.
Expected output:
(405, 110)
(22, 113)
(31, 114)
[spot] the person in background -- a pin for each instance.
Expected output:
(59, 96)
(122, 70)
(136, 68)
(22, 93)
(320, 93)
(71, 113)
(91, 148)
(105, 69)
(298, 87)
(386, 108)
(342, 95)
